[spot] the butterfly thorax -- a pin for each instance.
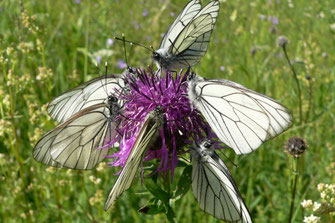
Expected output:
(113, 106)
(193, 79)
(163, 59)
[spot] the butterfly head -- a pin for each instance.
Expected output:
(191, 76)
(156, 56)
(206, 143)
(112, 99)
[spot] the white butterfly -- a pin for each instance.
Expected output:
(187, 39)
(74, 143)
(148, 132)
(214, 187)
(85, 95)
(243, 119)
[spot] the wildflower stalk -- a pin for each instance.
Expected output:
(296, 80)
(55, 190)
(87, 195)
(86, 41)
(296, 175)
(309, 79)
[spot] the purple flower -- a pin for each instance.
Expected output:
(136, 25)
(145, 12)
(77, 1)
(222, 68)
(110, 42)
(121, 64)
(262, 17)
(172, 14)
(98, 59)
(182, 123)
(275, 21)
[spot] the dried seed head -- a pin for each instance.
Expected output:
(282, 41)
(295, 146)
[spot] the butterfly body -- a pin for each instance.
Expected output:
(241, 118)
(147, 133)
(87, 116)
(214, 187)
(187, 39)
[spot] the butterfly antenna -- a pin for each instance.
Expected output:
(124, 48)
(106, 73)
(130, 51)
(137, 44)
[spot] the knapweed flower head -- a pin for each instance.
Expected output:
(145, 92)
(295, 146)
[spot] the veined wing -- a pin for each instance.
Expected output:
(74, 143)
(202, 24)
(87, 94)
(147, 133)
(190, 10)
(241, 118)
(41, 151)
(211, 9)
(215, 189)
(193, 47)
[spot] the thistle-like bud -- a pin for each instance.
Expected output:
(282, 41)
(295, 146)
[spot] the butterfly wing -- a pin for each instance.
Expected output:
(41, 151)
(74, 143)
(192, 42)
(87, 94)
(216, 190)
(146, 134)
(241, 118)
(190, 10)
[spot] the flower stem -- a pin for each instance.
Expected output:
(296, 175)
(310, 99)
(296, 80)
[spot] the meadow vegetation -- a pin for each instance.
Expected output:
(48, 47)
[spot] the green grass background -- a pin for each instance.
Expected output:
(47, 47)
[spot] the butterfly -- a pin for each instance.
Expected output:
(85, 95)
(241, 118)
(147, 133)
(78, 143)
(187, 39)
(214, 187)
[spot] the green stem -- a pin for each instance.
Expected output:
(310, 100)
(297, 81)
(296, 175)
(88, 197)
(86, 40)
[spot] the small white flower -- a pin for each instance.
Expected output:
(316, 206)
(311, 219)
(321, 187)
(332, 27)
(306, 203)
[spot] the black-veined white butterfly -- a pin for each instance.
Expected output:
(148, 132)
(75, 143)
(214, 187)
(85, 95)
(243, 119)
(187, 39)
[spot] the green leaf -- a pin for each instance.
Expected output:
(184, 183)
(153, 207)
(154, 189)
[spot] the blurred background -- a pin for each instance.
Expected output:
(48, 47)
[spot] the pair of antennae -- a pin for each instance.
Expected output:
(137, 44)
